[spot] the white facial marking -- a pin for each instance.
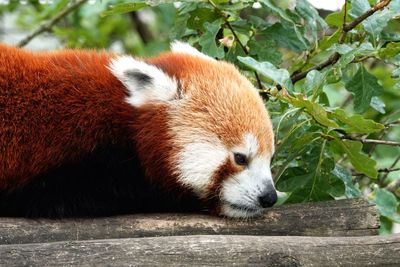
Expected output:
(241, 192)
(197, 163)
(249, 146)
(185, 48)
(155, 85)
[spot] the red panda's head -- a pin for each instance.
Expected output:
(206, 127)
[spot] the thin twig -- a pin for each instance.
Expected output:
(297, 76)
(243, 47)
(391, 124)
(388, 170)
(383, 178)
(361, 59)
(244, 50)
(392, 187)
(344, 32)
(47, 25)
(373, 146)
(371, 141)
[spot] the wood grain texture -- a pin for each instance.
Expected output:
(332, 218)
(209, 250)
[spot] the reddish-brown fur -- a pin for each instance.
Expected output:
(58, 106)
(243, 111)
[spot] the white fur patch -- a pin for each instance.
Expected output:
(185, 48)
(161, 87)
(197, 163)
(249, 146)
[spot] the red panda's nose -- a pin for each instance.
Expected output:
(268, 199)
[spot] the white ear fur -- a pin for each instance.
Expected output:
(145, 82)
(185, 48)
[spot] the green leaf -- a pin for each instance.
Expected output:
(328, 41)
(266, 69)
(387, 204)
(314, 109)
(124, 8)
(358, 7)
(364, 86)
(349, 53)
(335, 19)
(300, 143)
(265, 50)
(378, 104)
(233, 53)
(292, 179)
(342, 48)
(386, 225)
(345, 60)
(287, 35)
(308, 12)
(312, 18)
(352, 191)
(390, 51)
(314, 181)
(315, 80)
(356, 123)
(323, 99)
(295, 142)
(199, 17)
(379, 20)
(361, 162)
(276, 10)
(207, 40)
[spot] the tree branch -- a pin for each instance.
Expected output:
(383, 3)
(297, 76)
(388, 170)
(145, 34)
(47, 25)
(371, 141)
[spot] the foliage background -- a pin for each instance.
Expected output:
(337, 128)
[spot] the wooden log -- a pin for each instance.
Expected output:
(226, 250)
(332, 218)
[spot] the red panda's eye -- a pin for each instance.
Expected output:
(240, 159)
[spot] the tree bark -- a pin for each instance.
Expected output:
(332, 218)
(210, 251)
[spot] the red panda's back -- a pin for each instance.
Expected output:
(52, 106)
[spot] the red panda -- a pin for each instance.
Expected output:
(73, 122)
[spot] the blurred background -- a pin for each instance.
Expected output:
(134, 32)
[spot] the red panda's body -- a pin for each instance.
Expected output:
(79, 109)
(54, 110)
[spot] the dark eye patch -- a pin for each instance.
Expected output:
(240, 159)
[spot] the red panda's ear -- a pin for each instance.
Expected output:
(185, 48)
(145, 82)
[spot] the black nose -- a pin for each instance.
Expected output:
(268, 199)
